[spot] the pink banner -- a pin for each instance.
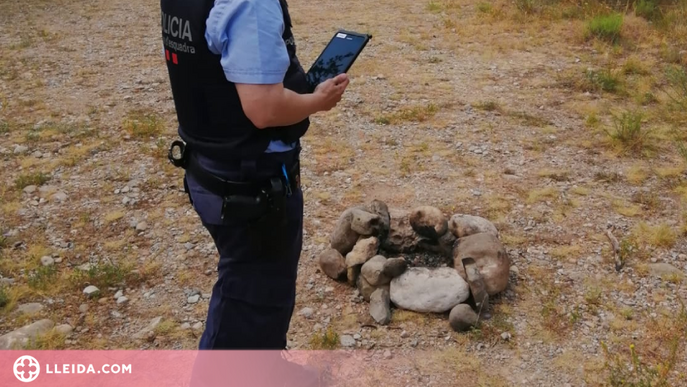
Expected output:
(187, 368)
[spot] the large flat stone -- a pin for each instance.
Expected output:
(429, 290)
(20, 338)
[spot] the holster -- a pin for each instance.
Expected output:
(258, 203)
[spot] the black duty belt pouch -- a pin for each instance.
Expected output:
(259, 204)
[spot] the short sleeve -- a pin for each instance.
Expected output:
(248, 36)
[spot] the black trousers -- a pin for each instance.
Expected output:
(253, 298)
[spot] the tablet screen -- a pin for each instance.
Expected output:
(336, 58)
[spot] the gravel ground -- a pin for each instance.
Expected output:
(472, 117)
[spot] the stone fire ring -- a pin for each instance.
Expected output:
(466, 261)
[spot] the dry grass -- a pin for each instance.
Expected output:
(556, 175)
(52, 340)
(326, 340)
(637, 174)
(418, 113)
(626, 209)
(657, 235)
(566, 252)
(533, 100)
(542, 194)
(142, 124)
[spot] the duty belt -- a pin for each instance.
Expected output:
(251, 200)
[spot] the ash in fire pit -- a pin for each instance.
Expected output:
(418, 260)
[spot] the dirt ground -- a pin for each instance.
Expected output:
(473, 107)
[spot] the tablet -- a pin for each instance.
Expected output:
(338, 57)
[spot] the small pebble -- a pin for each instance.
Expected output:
(307, 312)
(347, 341)
(30, 189)
(60, 196)
(19, 149)
(91, 291)
(116, 314)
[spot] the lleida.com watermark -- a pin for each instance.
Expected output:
(27, 369)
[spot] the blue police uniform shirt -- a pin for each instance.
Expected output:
(247, 34)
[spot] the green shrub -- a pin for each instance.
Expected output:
(484, 7)
(677, 79)
(527, 6)
(606, 80)
(42, 277)
(4, 242)
(629, 134)
(648, 9)
(105, 275)
(25, 180)
(606, 27)
(433, 6)
(4, 297)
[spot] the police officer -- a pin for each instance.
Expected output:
(242, 103)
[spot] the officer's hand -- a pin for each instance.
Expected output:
(330, 91)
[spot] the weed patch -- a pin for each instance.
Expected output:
(556, 175)
(648, 199)
(626, 209)
(607, 80)
(605, 27)
(677, 90)
(647, 9)
(529, 120)
(42, 278)
(537, 195)
(327, 340)
(629, 369)
(4, 297)
(660, 235)
(564, 252)
(105, 276)
(25, 180)
(142, 125)
(412, 114)
(51, 340)
(484, 7)
(634, 67)
(489, 106)
(629, 135)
